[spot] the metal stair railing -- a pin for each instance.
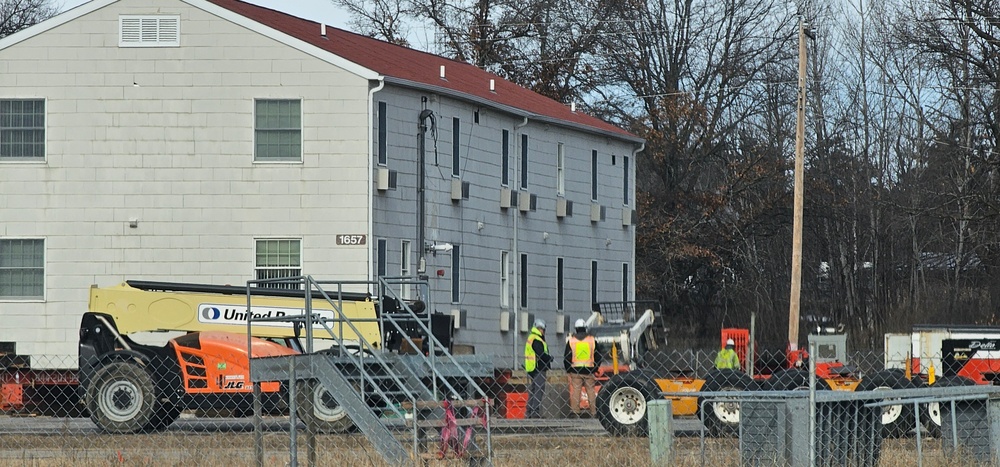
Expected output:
(350, 398)
(435, 347)
(408, 386)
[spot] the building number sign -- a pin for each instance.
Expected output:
(357, 239)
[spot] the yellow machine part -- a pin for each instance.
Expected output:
(682, 405)
(137, 310)
(843, 384)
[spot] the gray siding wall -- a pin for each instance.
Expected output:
(175, 151)
(482, 229)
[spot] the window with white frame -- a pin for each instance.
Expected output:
(456, 274)
(593, 175)
(625, 186)
(593, 282)
(524, 280)
(625, 282)
(383, 133)
(149, 31)
(560, 170)
(278, 130)
(559, 284)
(524, 162)
(22, 129)
(382, 247)
(504, 279)
(456, 147)
(278, 257)
(505, 159)
(22, 268)
(404, 268)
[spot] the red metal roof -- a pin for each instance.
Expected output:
(420, 67)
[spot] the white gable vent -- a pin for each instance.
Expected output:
(149, 31)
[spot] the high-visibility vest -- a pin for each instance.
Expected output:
(530, 359)
(582, 351)
(727, 360)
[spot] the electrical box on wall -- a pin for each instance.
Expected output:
(527, 319)
(597, 213)
(627, 217)
(561, 324)
(505, 321)
(460, 318)
(385, 179)
(508, 198)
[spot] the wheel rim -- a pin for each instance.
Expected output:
(727, 412)
(890, 413)
(628, 405)
(120, 401)
(934, 413)
(325, 406)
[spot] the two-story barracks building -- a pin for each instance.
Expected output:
(214, 141)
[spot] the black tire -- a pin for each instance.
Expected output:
(792, 380)
(319, 410)
(622, 403)
(930, 413)
(897, 420)
(166, 414)
(121, 398)
(723, 418)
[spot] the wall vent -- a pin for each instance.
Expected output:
(149, 31)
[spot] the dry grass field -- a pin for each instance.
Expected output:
(216, 449)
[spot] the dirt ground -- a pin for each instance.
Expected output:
(213, 449)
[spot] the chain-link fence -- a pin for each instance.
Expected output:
(720, 417)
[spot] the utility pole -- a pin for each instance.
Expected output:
(800, 134)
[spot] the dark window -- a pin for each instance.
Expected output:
(456, 127)
(625, 192)
(524, 280)
(624, 282)
(382, 131)
(559, 284)
(456, 274)
(593, 175)
(381, 253)
(524, 162)
(505, 160)
(593, 282)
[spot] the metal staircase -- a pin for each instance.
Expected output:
(430, 395)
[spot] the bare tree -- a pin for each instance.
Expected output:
(16, 15)
(382, 19)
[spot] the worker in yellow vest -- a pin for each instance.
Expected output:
(727, 358)
(536, 362)
(581, 359)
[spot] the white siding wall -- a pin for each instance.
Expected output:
(174, 151)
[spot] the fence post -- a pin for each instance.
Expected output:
(660, 414)
(993, 416)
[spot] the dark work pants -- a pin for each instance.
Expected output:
(536, 394)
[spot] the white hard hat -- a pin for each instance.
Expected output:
(730, 342)
(540, 323)
(580, 324)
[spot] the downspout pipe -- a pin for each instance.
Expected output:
(517, 257)
(371, 170)
(425, 115)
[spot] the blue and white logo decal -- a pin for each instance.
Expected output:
(210, 313)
